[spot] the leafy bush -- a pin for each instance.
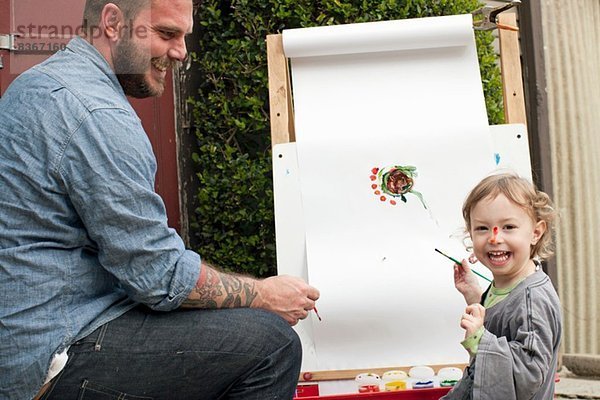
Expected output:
(234, 224)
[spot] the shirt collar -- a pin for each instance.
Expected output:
(82, 47)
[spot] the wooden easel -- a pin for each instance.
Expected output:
(283, 131)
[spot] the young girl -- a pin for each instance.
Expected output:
(513, 339)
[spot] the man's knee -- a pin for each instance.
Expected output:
(276, 332)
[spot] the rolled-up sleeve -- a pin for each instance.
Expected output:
(108, 169)
(184, 279)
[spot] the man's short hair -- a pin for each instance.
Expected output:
(93, 9)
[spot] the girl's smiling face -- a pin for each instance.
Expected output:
(506, 251)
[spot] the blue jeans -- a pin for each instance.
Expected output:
(184, 354)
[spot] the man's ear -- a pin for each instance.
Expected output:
(111, 20)
(538, 231)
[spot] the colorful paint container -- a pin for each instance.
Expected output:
(394, 380)
(368, 382)
(449, 376)
(422, 377)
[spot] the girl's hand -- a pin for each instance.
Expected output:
(466, 283)
(472, 319)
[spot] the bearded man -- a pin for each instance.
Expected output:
(100, 298)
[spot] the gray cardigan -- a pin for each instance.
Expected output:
(518, 352)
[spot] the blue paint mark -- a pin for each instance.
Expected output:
(287, 172)
(497, 157)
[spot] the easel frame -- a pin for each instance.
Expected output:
(283, 131)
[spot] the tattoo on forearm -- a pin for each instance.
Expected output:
(220, 290)
(250, 293)
(207, 291)
(239, 292)
(232, 287)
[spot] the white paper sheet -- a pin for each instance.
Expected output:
(387, 297)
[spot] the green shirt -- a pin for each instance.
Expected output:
(493, 297)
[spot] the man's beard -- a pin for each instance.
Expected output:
(131, 65)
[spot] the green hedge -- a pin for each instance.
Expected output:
(233, 224)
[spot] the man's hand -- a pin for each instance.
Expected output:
(466, 283)
(288, 296)
(472, 319)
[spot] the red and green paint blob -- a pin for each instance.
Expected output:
(394, 182)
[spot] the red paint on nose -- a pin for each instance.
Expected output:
(494, 235)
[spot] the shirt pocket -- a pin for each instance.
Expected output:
(93, 391)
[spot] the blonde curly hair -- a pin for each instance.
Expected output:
(525, 195)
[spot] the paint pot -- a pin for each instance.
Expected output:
(422, 377)
(449, 376)
(368, 382)
(394, 380)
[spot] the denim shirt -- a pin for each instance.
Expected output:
(83, 235)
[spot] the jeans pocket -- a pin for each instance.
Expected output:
(94, 339)
(93, 391)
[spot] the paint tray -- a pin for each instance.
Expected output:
(410, 394)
